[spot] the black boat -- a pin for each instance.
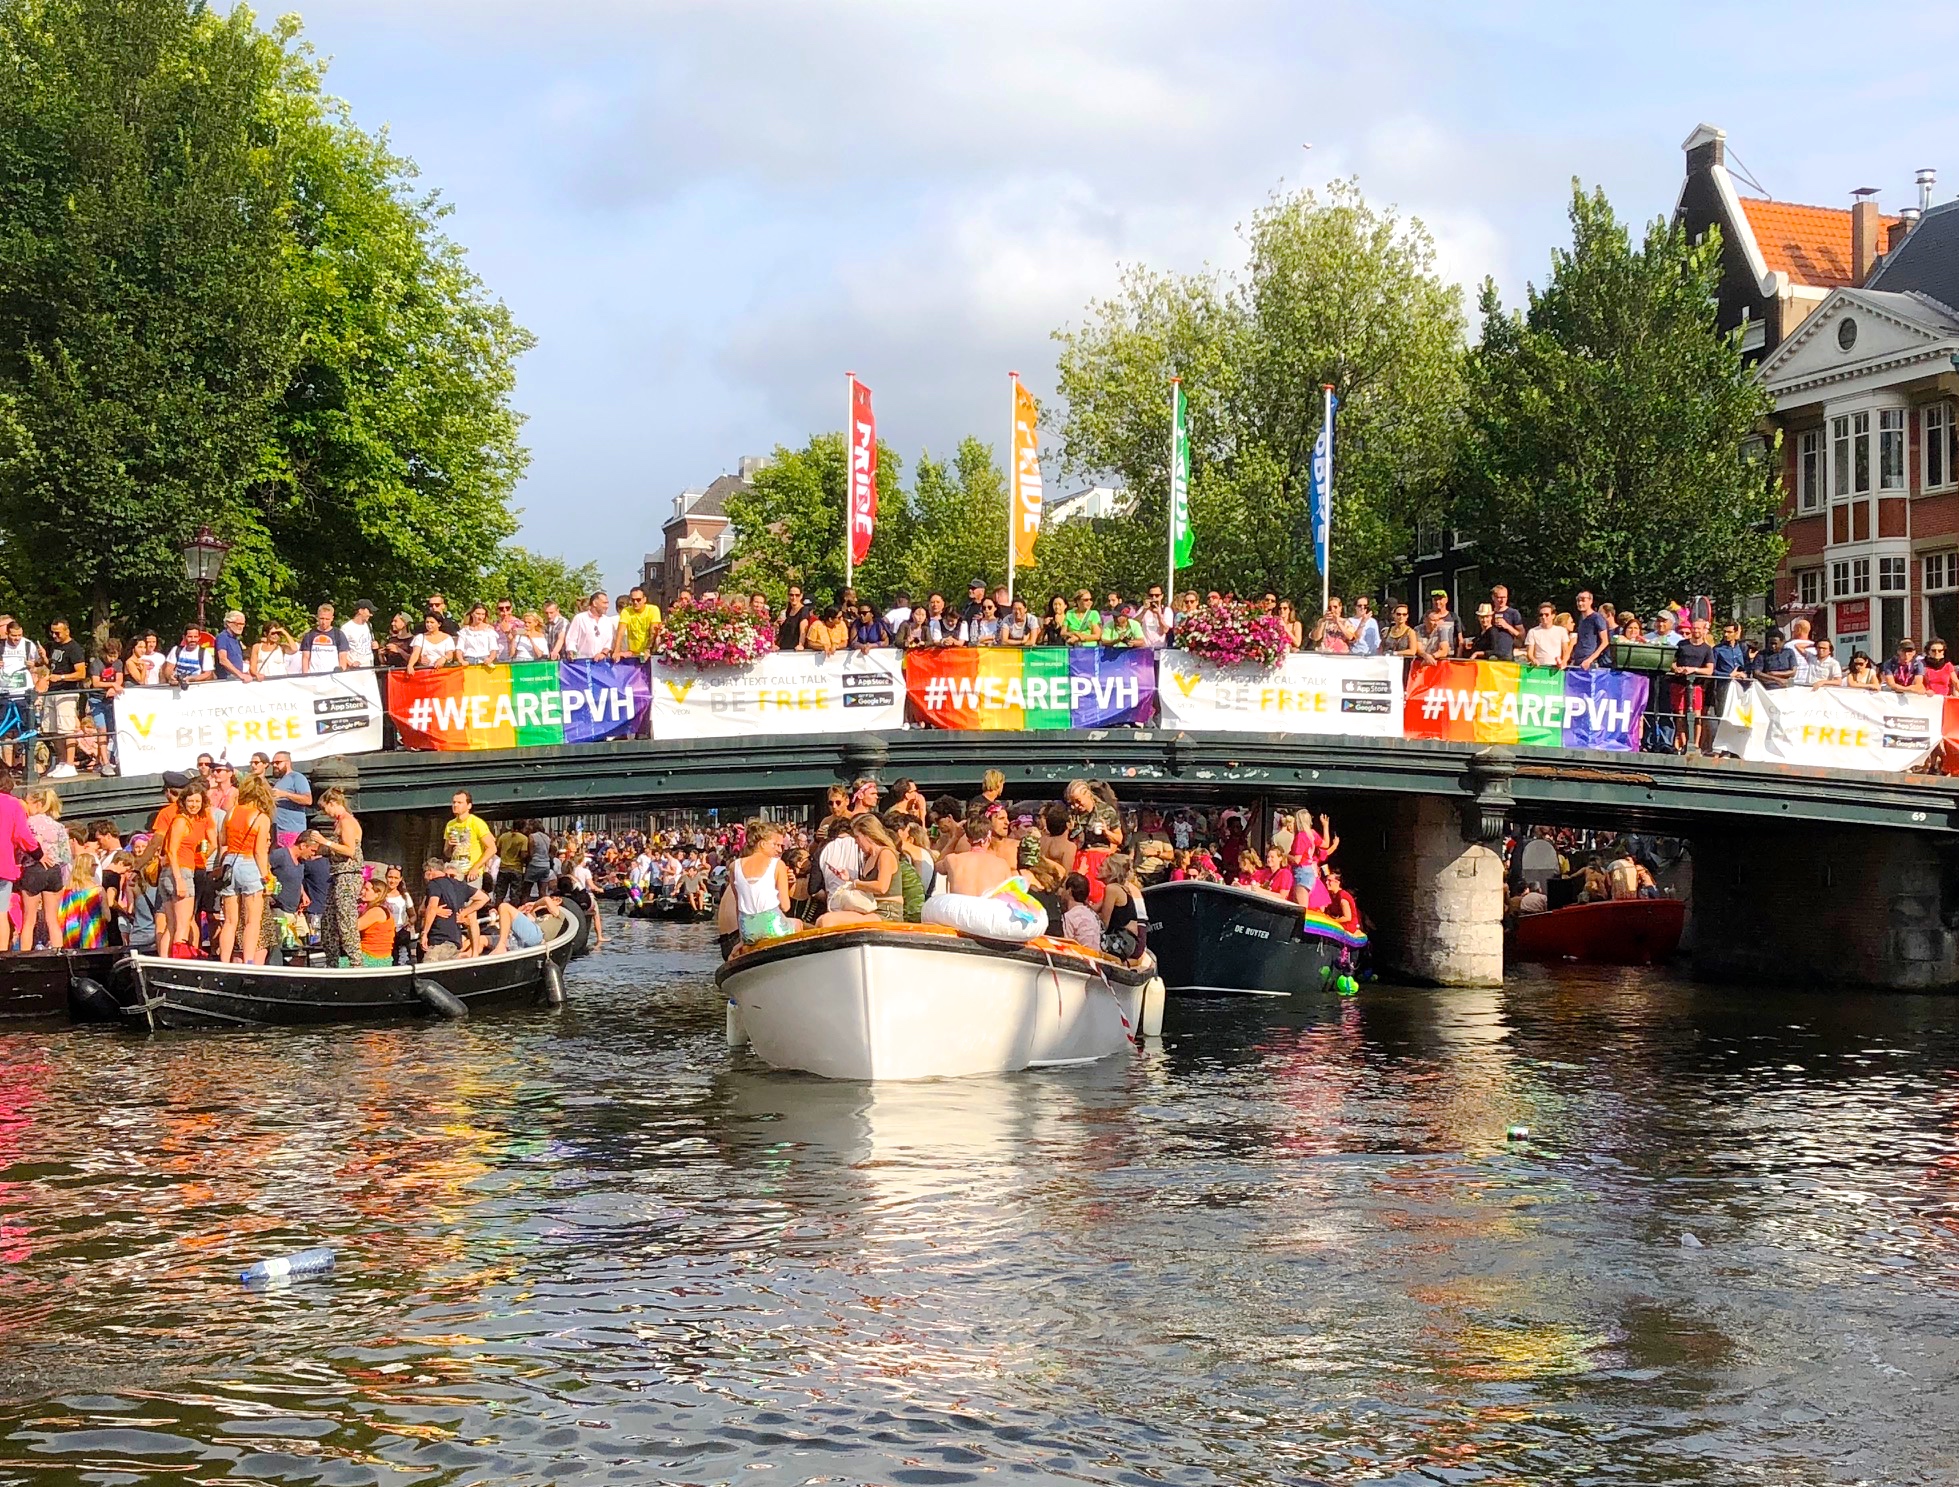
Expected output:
(1214, 939)
(58, 983)
(165, 993)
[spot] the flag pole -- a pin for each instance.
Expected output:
(849, 484)
(1013, 476)
(1170, 508)
(1326, 581)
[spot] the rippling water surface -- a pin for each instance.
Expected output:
(590, 1246)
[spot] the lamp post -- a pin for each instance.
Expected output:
(204, 557)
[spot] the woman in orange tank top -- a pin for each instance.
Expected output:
(247, 869)
(187, 845)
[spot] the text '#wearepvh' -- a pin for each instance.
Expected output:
(1033, 689)
(526, 705)
(1501, 702)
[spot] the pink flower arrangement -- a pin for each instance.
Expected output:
(1234, 634)
(724, 633)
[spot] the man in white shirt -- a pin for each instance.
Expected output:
(1663, 631)
(589, 637)
(1544, 644)
(900, 611)
(359, 634)
(1155, 619)
(1363, 631)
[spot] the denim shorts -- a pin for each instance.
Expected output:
(242, 877)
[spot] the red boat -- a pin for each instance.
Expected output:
(1622, 932)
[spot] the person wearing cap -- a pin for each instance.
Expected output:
(975, 601)
(1439, 635)
(230, 648)
(358, 632)
(1125, 631)
(1491, 643)
(1904, 672)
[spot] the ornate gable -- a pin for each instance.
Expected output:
(1858, 333)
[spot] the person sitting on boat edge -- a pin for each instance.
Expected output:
(983, 896)
(760, 885)
(375, 925)
(1125, 930)
(1078, 921)
(876, 896)
(518, 927)
(449, 914)
(1341, 908)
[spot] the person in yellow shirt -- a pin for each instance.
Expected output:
(467, 844)
(637, 622)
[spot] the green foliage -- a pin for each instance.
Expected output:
(960, 528)
(532, 578)
(1333, 290)
(1605, 428)
(220, 303)
(789, 524)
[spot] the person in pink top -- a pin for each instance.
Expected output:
(17, 840)
(1310, 850)
(1939, 671)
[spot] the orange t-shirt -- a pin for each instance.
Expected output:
(195, 843)
(239, 827)
(377, 927)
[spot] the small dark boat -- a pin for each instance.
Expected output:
(164, 993)
(57, 983)
(1214, 939)
(1619, 932)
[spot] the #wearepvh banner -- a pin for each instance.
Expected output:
(527, 705)
(1502, 702)
(1037, 688)
(786, 692)
(1830, 727)
(1305, 693)
(309, 717)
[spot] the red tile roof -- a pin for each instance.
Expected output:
(1809, 244)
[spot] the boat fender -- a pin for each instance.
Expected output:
(1153, 999)
(441, 999)
(92, 999)
(737, 1034)
(554, 984)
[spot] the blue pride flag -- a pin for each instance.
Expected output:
(1322, 489)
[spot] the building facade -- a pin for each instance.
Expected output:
(697, 540)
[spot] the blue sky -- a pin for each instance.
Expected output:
(708, 211)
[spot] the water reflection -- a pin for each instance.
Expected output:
(1280, 1244)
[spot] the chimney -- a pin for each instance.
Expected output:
(1705, 147)
(1900, 230)
(1926, 179)
(1863, 234)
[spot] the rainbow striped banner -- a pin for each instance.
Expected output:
(528, 705)
(1036, 688)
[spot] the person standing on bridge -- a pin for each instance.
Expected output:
(592, 633)
(1594, 639)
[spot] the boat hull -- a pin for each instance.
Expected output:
(40, 983)
(1621, 932)
(1212, 939)
(164, 993)
(920, 1002)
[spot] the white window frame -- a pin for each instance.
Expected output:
(1935, 431)
(1809, 586)
(1840, 461)
(1840, 579)
(1893, 574)
(1428, 540)
(1810, 470)
(1860, 575)
(1891, 445)
(1941, 571)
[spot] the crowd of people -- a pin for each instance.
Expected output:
(61, 692)
(1554, 867)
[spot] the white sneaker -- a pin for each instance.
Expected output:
(63, 772)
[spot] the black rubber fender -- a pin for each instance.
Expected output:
(91, 1000)
(441, 999)
(554, 983)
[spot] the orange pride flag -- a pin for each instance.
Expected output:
(1025, 477)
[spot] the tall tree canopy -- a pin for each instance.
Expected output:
(1606, 428)
(1333, 291)
(789, 523)
(222, 303)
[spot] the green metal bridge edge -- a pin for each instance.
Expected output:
(1491, 785)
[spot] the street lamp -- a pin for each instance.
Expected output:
(204, 557)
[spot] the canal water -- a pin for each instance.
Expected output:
(1280, 1247)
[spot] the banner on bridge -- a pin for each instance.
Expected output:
(529, 704)
(1037, 688)
(310, 717)
(1830, 727)
(1306, 693)
(1502, 702)
(784, 693)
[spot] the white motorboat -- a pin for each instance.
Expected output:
(923, 1001)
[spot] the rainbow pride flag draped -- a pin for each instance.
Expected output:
(1041, 687)
(523, 706)
(1501, 702)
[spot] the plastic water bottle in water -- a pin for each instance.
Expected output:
(304, 1265)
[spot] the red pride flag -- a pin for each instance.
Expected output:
(863, 471)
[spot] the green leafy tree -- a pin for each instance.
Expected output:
(222, 304)
(1607, 428)
(960, 523)
(531, 578)
(1333, 291)
(789, 524)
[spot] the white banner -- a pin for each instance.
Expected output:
(310, 717)
(1830, 727)
(787, 692)
(1306, 693)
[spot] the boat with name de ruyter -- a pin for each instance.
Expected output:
(1218, 939)
(165, 992)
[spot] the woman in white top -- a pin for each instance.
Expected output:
(984, 627)
(273, 654)
(432, 647)
(144, 665)
(477, 642)
(531, 643)
(760, 885)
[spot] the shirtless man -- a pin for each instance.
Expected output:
(975, 872)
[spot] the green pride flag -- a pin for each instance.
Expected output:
(1181, 539)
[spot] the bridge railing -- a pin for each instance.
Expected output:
(1032, 690)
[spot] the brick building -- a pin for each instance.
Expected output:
(697, 541)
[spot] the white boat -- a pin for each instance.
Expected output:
(922, 1001)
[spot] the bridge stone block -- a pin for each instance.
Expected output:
(1436, 901)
